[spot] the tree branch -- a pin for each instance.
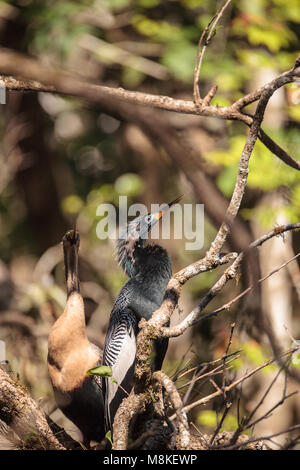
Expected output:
(130, 406)
(240, 380)
(45, 79)
(210, 29)
(22, 414)
(183, 437)
(230, 273)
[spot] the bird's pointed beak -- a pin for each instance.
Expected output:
(75, 233)
(176, 200)
(156, 216)
(165, 209)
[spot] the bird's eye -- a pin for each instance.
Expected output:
(148, 218)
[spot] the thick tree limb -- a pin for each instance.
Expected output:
(130, 406)
(183, 437)
(42, 78)
(21, 413)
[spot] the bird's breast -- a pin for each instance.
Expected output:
(70, 373)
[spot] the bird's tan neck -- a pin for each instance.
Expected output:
(72, 319)
(69, 330)
(71, 266)
(70, 353)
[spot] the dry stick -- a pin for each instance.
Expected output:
(227, 405)
(227, 408)
(216, 371)
(243, 170)
(199, 58)
(183, 437)
(194, 317)
(252, 413)
(263, 438)
(226, 353)
(212, 372)
(291, 444)
(245, 424)
(196, 91)
(206, 399)
(36, 77)
(239, 395)
(12, 83)
(204, 365)
(179, 368)
(268, 413)
(215, 385)
(280, 402)
(249, 289)
(190, 386)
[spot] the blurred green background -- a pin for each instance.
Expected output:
(61, 157)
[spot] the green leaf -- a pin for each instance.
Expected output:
(102, 371)
(108, 436)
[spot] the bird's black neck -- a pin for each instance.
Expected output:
(136, 258)
(71, 268)
(126, 252)
(145, 290)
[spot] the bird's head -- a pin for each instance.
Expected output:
(71, 239)
(136, 234)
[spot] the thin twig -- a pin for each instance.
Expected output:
(227, 408)
(199, 58)
(263, 438)
(234, 384)
(195, 316)
(250, 288)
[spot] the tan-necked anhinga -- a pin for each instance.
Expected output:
(149, 269)
(71, 355)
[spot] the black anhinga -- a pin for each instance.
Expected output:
(71, 355)
(149, 269)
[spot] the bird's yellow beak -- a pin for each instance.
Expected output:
(167, 207)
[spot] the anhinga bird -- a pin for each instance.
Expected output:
(149, 269)
(71, 355)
